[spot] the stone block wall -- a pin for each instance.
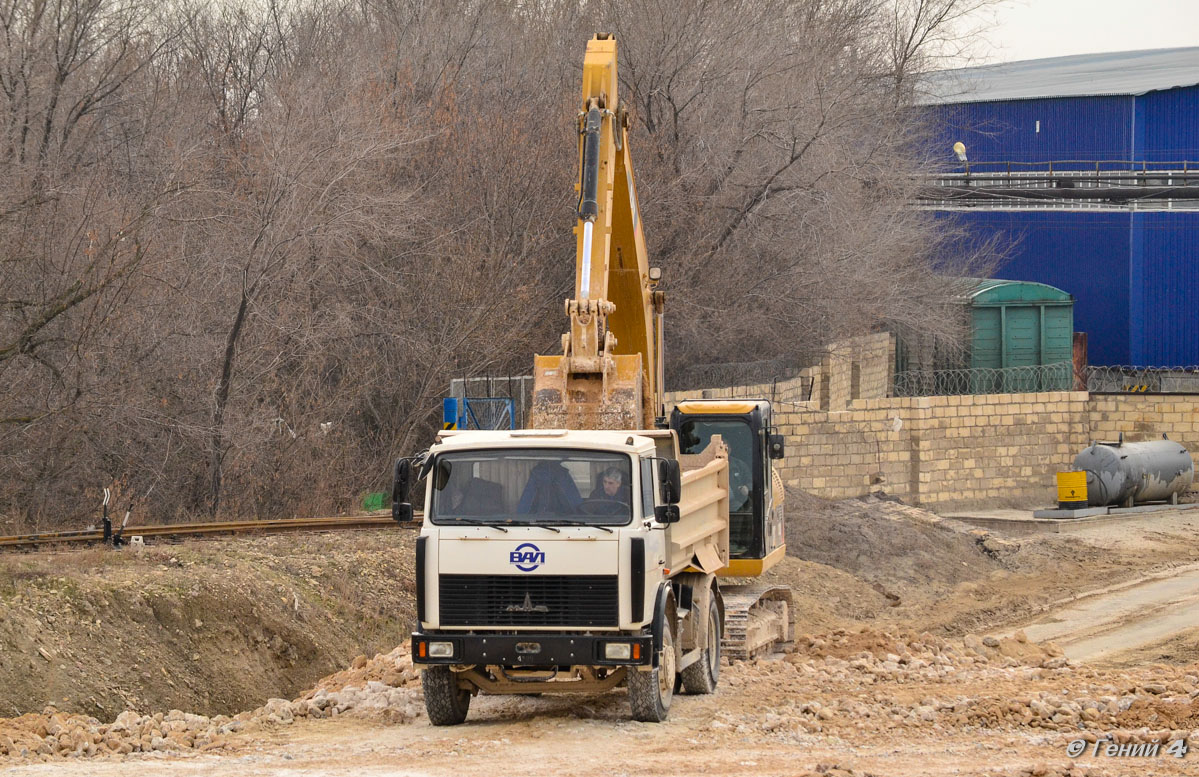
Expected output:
(1146, 417)
(859, 368)
(994, 448)
(1001, 448)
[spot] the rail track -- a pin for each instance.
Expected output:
(184, 530)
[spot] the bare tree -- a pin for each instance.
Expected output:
(247, 246)
(781, 163)
(925, 35)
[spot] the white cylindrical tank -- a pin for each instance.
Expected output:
(1128, 473)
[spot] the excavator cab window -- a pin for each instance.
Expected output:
(694, 435)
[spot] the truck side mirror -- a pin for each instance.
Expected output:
(401, 508)
(667, 513)
(775, 443)
(671, 479)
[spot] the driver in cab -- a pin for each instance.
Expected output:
(611, 486)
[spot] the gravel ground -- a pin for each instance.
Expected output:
(912, 662)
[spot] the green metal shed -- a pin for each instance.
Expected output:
(1021, 324)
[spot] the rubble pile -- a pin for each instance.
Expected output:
(394, 670)
(885, 681)
(385, 686)
(871, 658)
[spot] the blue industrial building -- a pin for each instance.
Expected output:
(1087, 168)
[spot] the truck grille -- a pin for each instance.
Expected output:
(535, 600)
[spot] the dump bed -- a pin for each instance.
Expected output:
(700, 540)
(701, 537)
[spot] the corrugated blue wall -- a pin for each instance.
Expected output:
(1086, 128)
(1134, 275)
(1164, 289)
(1168, 126)
(1083, 254)
(1158, 126)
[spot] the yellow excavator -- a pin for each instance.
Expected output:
(610, 374)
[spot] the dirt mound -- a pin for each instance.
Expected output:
(888, 543)
(212, 627)
(826, 598)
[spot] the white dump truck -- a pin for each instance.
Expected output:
(559, 561)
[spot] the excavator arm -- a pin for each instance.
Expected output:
(609, 375)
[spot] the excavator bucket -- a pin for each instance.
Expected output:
(567, 399)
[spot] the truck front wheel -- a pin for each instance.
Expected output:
(445, 702)
(650, 693)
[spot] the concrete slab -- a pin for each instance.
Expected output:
(1019, 523)
(1081, 512)
(1150, 508)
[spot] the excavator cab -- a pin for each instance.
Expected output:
(756, 540)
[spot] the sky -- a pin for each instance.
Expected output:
(1032, 29)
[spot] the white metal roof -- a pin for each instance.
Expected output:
(1109, 73)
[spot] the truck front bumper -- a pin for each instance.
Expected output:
(533, 649)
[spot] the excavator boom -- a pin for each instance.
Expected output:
(609, 375)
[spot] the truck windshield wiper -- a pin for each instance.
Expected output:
(467, 522)
(585, 523)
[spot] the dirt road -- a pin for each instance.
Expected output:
(1109, 622)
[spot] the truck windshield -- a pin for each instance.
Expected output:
(532, 486)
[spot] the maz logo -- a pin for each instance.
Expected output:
(527, 557)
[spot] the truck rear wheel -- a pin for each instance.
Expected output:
(702, 676)
(650, 693)
(445, 702)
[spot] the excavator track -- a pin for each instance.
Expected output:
(757, 619)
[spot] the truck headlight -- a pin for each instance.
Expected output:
(441, 650)
(617, 651)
